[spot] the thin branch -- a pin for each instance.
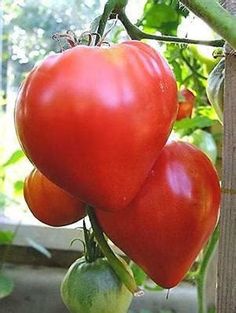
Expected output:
(136, 34)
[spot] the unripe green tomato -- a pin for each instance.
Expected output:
(94, 288)
(215, 89)
(205, 142)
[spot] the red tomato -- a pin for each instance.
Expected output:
(171, 218)
(94, 119)
(49, 203)
(186, 104)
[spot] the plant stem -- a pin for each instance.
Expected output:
(219, 19)
(108, 8)
(117, 265)
(201, 275)
(136, 34)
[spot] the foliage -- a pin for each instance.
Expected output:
(163, 16)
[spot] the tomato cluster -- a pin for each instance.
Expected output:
(94, 121)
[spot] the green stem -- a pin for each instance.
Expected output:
(219, 19)
(136, 34)
(201, 276)
(192, 67)
(115, 263)
(108, 8)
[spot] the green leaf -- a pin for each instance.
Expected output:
(192, 123)
(15, 157)
(39, 247)
(139, 275)
(94, 25)
(159, 14)
(18, 186)
(6, 237)
(153, 288)
(6, 286)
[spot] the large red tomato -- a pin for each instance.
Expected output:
(166, 225)
(49, 203)
(94, 119)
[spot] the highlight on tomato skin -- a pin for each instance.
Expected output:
(186, 104)
(171, 218)
(49, 203)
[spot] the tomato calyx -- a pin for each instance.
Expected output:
(88, 38)
(92, 251)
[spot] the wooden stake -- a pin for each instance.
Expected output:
(226, 293)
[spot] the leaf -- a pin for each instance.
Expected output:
(6, 237)
(153, 288)
(159, 14)
(192, 123)
(39, 247)
(19, 185)
(15, 157)
(6, 286)
(139, 275)
(94, 25)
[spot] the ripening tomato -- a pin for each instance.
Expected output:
(49, 203)
(186, 104)
(95, 288)
(171, 218)
(94, 119)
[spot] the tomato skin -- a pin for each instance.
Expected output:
(49, 203)
(186, 104)
(94, 119)
(171, 218)
(94, 288)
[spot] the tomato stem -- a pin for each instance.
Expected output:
(108, 8)
(115, 263)
(201, 276)
(135, 33)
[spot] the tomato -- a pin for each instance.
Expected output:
(186, 104)
(49, 203)
(94, 119)
(171, 218)
(94, 287)
(204, 141)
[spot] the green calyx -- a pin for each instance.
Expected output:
(92, 251)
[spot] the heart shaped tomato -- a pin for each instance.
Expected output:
(94, 119)
(166, 225)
